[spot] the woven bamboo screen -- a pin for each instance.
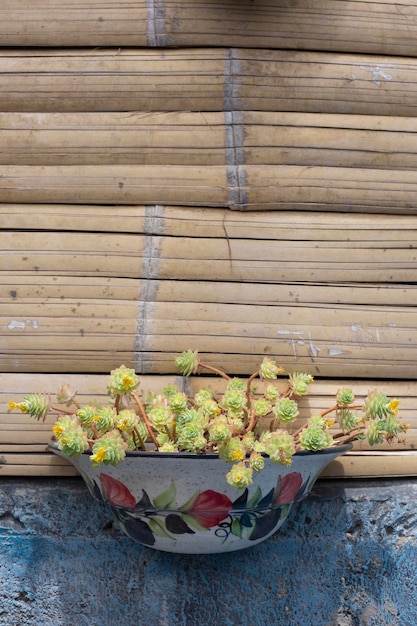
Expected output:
(234, 177)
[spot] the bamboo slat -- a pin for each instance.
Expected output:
(113, 138)
(112, 80)
(71, 255)
(252, 137)
(282, 80)
(23, 441)
(197, 258)
(333, 364)
(19, 293)
(116, 184)
(251, 187)
(27, 469)
(84, 217)
(56, 23)
(373, 465)
(370, 27)
(206, 79)
(322, 338)
(325, 189)
(347, 26)
(208, 223)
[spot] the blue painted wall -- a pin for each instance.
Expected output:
(346, 557)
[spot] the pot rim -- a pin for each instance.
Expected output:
(209, 455)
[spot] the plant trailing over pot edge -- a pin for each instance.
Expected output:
(245, 425)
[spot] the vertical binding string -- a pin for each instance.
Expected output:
(235, 154)
(148, 279)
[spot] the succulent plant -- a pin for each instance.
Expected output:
(244, 425)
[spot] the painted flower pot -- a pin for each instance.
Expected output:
(182, 503)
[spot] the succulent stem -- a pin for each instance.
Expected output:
(145, 418)
(214, 370)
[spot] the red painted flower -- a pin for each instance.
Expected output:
(290, 486)
(116, 492)
(209, 508)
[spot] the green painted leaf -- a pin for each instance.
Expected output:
(254, 499)
(158, 528)
(236, 528)
(166, 499)
(192, 522)
(187, 505)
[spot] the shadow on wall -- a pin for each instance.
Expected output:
(346, 557)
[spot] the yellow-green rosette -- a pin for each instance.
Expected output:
(299, 383)
(71, 438)
(315, 436)
(109, 449)
(126, 420)
(122, 380)
(187, 362)
(105, 419)
(286, 410)
(278, 445)
(269, 369)
(35, 404)
(240, 476)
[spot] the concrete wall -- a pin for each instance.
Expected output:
(347, 557)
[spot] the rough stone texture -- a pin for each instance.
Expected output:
(346, 557)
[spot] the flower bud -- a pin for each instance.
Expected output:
(65, 394)
(71, 439)
(374, 433)
(209, 409)
(64, 424)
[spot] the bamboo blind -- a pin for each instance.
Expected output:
(233, 177)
